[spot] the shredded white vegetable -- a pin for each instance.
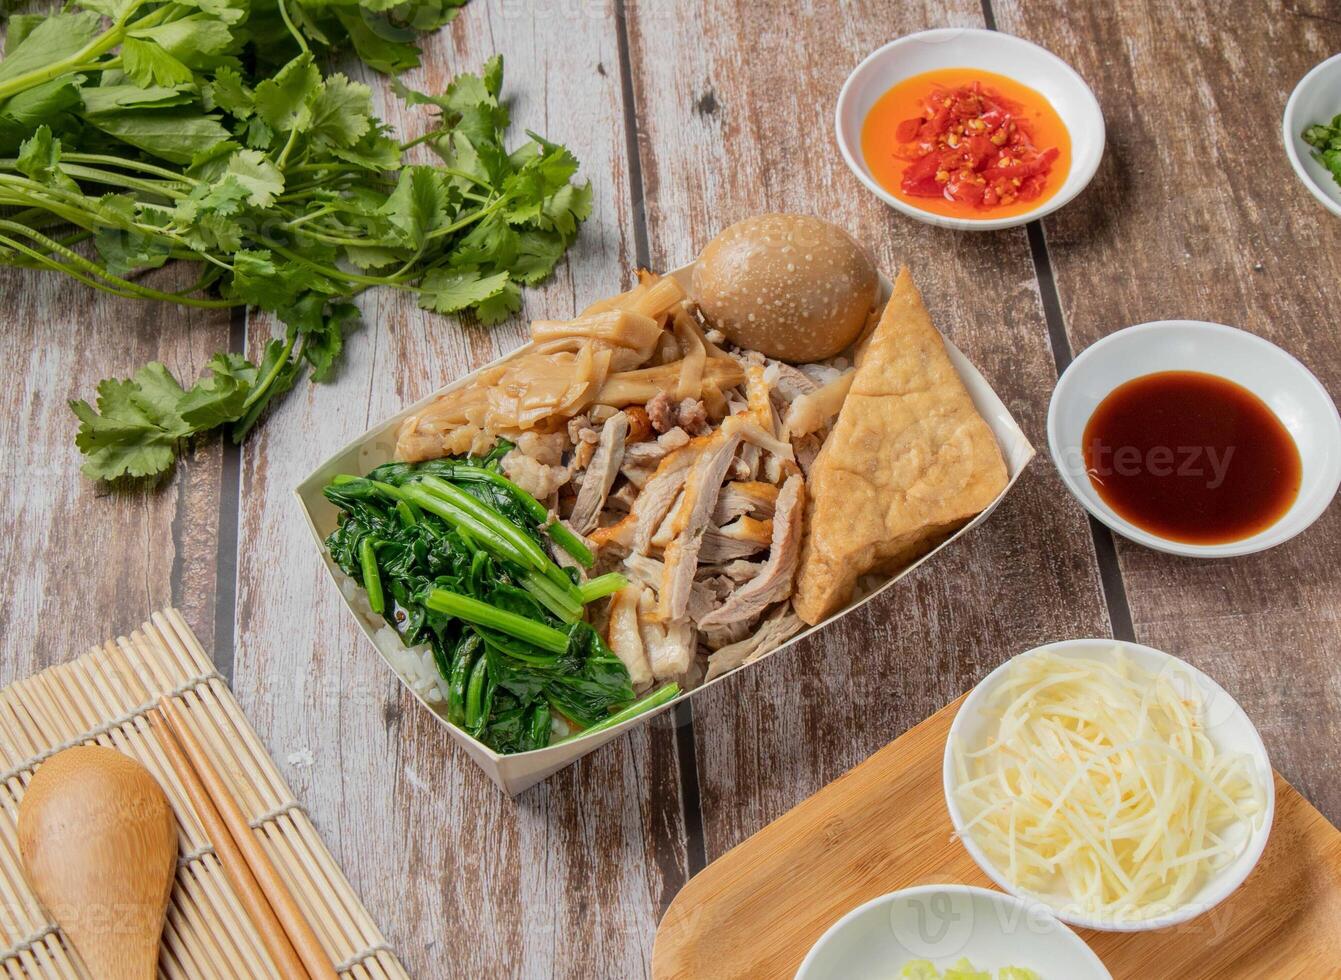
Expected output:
(1100, 791)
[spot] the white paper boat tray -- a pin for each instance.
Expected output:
(514, 773)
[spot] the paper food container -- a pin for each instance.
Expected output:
(514, 773)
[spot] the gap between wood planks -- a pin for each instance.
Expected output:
(690, 802)
(1105, 550)
(230, 499)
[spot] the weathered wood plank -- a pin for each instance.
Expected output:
(735, 105)
(1196, 213)
(87, 560)
(569, 879)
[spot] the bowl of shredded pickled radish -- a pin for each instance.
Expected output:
(1117, 784)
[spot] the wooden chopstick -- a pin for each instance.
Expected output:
(230, 858)
(278, 917)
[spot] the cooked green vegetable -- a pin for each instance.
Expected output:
(460, 558)
(1325, 138)
(135, 132)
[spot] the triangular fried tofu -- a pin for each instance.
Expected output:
(909, 461)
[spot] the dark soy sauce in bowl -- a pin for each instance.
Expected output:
(1191, 457)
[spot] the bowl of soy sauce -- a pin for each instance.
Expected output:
(1196, 438)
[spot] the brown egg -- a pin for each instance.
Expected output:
(790, 286)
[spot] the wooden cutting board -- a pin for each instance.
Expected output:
(757, 910)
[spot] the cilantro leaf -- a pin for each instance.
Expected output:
(230, 93)
(255, 172)
(340, 112)
(40, 158)
(447, 291)
(136, 428)
(221, 397)
(148, 64)
(282, 101)
(415, 207)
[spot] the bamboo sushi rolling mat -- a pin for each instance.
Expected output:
(103, 698)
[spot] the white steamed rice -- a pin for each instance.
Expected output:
(414, 664)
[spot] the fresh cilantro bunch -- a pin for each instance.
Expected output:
(1325, 138)
(133, 133)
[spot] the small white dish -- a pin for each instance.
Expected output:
(1226, 723)
(942, 923)
(1289, 389)
(1003, 54)
(1316, 99)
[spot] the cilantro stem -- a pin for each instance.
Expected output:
(467, 220)
(263, 384)
(334, 273)
(293, 133)
(129, 164)
(121, 180)
(47, 262)
(92, 268)
(297, 34)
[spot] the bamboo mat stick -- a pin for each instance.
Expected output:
(108, 697)
(299, 930)
(234, 864)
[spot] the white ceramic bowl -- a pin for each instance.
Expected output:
(1316, 99)
(1227, 724)
(1289, 389)
(941, 923)
(961, 47)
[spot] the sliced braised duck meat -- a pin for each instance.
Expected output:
(817, 409)
(704, 596)
(777, 629)
(622, 498)
(660, 492)
(746, 465)
(724, 636)
(744, 497)
(666, 529)
(774, 581)
(623, 636)
(641, 568)
(701, 487)
(807, 449)
(738, 571)
(657, 494)
(756, 435)
(652, 451)
(717, 548)
(582, 456)
(707, 594)
(637, 475)
(670, 645)
(787, 381)
(600, 474)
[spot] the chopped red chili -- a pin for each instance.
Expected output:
(972, 144)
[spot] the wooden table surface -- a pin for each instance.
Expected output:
(687, 116)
